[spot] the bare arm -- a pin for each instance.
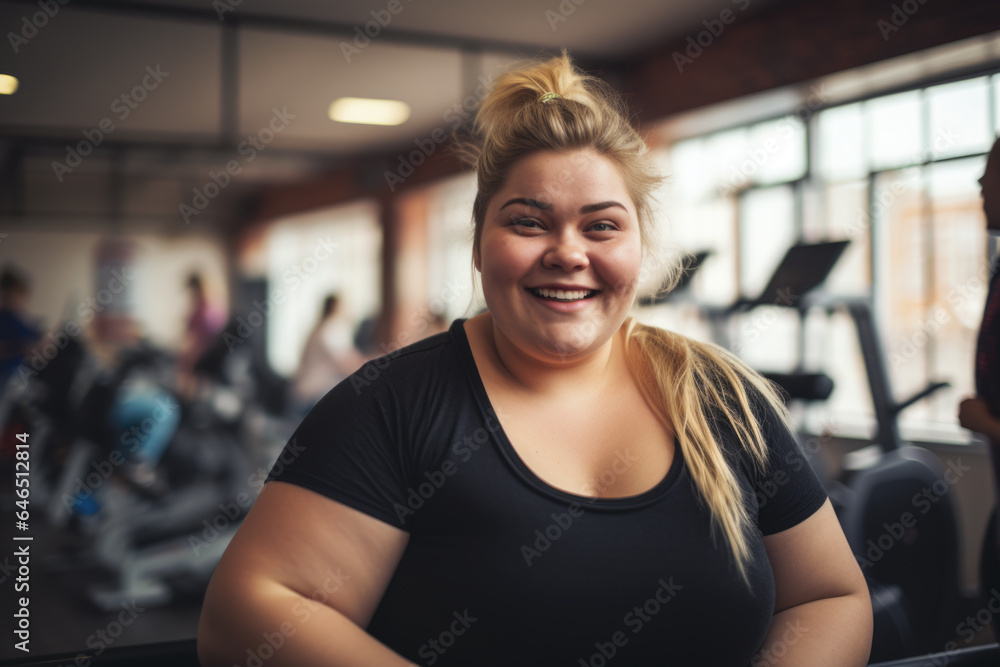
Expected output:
(822, 610)
(974, 414)
(298, 583)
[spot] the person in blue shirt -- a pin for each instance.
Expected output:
(17, 331)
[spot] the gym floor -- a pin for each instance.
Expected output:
(62, 619)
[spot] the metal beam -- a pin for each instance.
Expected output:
(210, 14)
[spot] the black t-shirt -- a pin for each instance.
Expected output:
(504, 569)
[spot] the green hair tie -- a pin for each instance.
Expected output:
(548, 97)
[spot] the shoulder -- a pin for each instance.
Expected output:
(415, 363)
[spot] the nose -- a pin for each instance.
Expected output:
(567, 252)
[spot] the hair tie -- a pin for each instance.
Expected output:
(548, 97)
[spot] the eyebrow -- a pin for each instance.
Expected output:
(544, 206)
(600, 206)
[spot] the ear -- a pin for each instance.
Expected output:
(476, 260)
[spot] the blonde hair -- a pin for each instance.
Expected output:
(513, 122)
(554, 106)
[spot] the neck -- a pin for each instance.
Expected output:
(558, 376)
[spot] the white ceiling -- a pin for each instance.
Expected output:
(289, 56)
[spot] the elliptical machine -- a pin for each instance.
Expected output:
(142, 534)
(894, 501)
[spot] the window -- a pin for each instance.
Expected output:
(451, 289)
(309, 256)
(897, 176)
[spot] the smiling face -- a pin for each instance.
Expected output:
(560, 254)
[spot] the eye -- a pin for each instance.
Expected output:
(527, 223)
(602, 227)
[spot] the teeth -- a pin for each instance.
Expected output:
(563, 295)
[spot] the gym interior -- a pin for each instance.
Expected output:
(188, 199)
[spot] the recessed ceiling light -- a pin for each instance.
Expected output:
(369, 112)
(8, 84)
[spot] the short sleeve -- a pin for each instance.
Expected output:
(350, 449)
(788, 491)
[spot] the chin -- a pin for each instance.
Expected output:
(570, 344)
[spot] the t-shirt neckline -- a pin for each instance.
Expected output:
(510, 455)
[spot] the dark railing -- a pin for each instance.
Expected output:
(183, 654)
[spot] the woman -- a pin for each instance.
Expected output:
(327, 358)
(549, 482)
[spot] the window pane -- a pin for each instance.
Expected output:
(959, 117)
(767, 338)
(900, 273)
(918, 244)
(895, 130)
(959, 283)
(725, 151)
(691, 170)
(849, 410)
(709, 225)
(840, 150)
(846, 213)
(777, 151)
(767, 230)
(306, 270)
(996, 105)
(449, 224)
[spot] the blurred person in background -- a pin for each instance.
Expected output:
(981, 413)
(129, 405)
(205, 320)
(18, 331)
(328, 357)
